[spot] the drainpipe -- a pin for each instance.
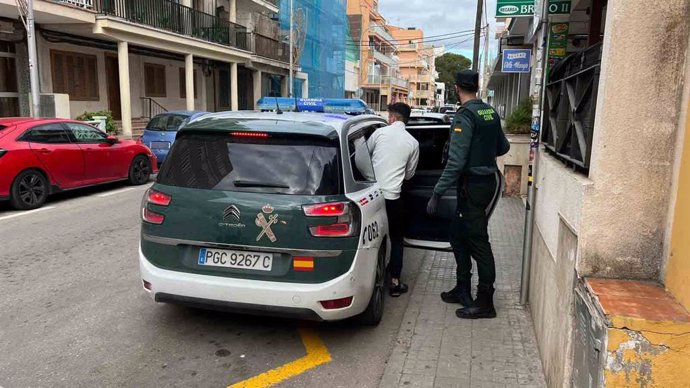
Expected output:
(534, 146)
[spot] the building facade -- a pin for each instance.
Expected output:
(607, 267)
(417, 66)
(380, 78)
(137, 59)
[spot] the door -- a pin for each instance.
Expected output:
(102, 160)
(61, 158)
(9, 90)
(112, 76)
(421, 230)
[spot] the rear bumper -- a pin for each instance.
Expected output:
(296, 300)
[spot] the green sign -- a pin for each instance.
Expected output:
(525, 8)
(558, 42)
(514, 8)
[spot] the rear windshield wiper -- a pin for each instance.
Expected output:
(245, 183)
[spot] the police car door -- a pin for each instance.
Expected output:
(362, 187)
(432, 133)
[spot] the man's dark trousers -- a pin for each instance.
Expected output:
(469, 236)
(396, 230)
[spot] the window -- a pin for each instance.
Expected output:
(75, 74)
(86, 134)
(298, 165)
(47, 134)
(166, 122)
(360, 159)
(183, 84)
(433, 140)
(154, 80)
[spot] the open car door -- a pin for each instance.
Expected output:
(432, 131)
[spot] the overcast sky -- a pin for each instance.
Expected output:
(437, 17)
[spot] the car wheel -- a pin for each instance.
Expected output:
(374, 312)
(29, 190)
(139, 170)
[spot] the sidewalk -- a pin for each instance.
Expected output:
(436, 349)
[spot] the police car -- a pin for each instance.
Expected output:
(272, 212)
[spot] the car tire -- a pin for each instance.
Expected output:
(139, 170)
(29, 190)
(374, 312)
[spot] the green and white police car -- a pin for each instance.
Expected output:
(269, 213)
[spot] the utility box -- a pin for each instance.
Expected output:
(589, 345)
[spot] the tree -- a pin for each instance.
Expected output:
(447, 65)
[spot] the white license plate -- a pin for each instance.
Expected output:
(235, 259)
(160, 145)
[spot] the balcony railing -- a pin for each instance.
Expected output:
(571, 100)
(263, 25)
(171, 16)
(383, 58)
(270, 48)
(387, 80)
(381, 31)
(87, 4)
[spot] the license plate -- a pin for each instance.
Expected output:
(235, 259)
(160, 145)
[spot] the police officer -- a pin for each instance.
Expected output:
(476, 139)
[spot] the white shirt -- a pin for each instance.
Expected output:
(394, 154)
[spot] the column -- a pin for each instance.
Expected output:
(233, 11)
(234, 103)
(305, 87)
(284, 86)
(189, 80)
(258, 75)
(125, 100)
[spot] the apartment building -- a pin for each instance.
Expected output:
(417, 65)
(139, 58)
(380, 77)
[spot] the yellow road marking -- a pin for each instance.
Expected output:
(317, 354)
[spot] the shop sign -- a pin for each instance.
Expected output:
(525, 8)
(516, 60)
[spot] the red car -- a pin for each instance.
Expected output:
(39, 157)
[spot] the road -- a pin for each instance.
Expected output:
(74, 313)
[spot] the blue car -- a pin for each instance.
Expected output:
(160, 132)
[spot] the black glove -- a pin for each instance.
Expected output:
(432, 206)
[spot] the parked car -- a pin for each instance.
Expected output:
(160, 132)
(278, 214)
(39, 157)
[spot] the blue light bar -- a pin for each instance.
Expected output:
(325, 105)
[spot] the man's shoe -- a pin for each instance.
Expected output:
(483, 306)
(397, 290)
(459, 295)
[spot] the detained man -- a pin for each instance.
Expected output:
(394, 155)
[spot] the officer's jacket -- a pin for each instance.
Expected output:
(476, 139)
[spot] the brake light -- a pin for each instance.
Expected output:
(158, 198)
(337, 303)
(152, 217)
(325, 209)
(250, 134)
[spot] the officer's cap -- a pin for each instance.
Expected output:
(467, 79)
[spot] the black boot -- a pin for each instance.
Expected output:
(461, 294)
(483, 306)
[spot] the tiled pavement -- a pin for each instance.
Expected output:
(436, 349)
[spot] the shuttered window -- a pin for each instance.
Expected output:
(154, 78)
(75, 74)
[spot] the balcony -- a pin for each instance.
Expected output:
(388, 80)
(379, 30)
(270, 48)
(383, 58)
(173, 17)
(86, 4)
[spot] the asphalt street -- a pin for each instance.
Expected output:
(73, 312)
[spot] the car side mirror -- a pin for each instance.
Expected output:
(110, 139)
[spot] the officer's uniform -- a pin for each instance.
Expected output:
(476, 139)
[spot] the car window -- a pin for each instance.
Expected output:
(298, 165)
(360, 159)
(158, 123)
(47, 134)
(426, 120)
(433, 140)
(174, 123)
(86, 134)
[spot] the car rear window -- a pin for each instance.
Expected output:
(433, 142)
(166, 122)
(294, 165)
